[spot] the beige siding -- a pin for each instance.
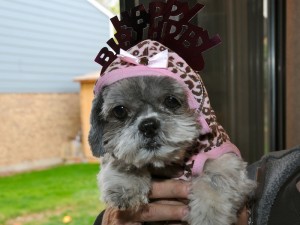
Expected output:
(86, 98)
(36, 129)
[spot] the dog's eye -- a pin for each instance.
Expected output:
(171, 102)
(120, 112)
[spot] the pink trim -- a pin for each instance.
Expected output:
(135, 71)
(202, 157)
(205, 129)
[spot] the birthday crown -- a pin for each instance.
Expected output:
(165, 22)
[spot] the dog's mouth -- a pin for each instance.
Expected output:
(152, 145)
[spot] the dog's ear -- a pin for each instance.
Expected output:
(97, 125)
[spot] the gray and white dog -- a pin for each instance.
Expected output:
(146, 121)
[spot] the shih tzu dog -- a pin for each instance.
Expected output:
(151, 109)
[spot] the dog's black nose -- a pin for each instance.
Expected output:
(149, 127)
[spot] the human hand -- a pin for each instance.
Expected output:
(243, 217)
(168, 202)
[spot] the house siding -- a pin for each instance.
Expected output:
(45, 44)
(37, 129)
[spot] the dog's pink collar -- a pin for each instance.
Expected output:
(194, 167)
(200, 159)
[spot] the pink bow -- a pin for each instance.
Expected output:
(160, 60)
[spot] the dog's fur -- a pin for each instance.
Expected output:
(125, 180)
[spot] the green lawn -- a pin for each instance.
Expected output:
(45, 197)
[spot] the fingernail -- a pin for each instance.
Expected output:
(185, 212)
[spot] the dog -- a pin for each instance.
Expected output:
(147, 121)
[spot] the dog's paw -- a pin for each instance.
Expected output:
(219, 192)
(122, 198)
(210, 211)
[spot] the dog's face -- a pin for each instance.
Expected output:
(143, 120)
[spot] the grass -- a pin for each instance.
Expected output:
(45, 197)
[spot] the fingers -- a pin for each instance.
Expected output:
(114, 216)
(181, 202)
(243, 217)
(170, 189)
(152, 212)
(161, 212)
